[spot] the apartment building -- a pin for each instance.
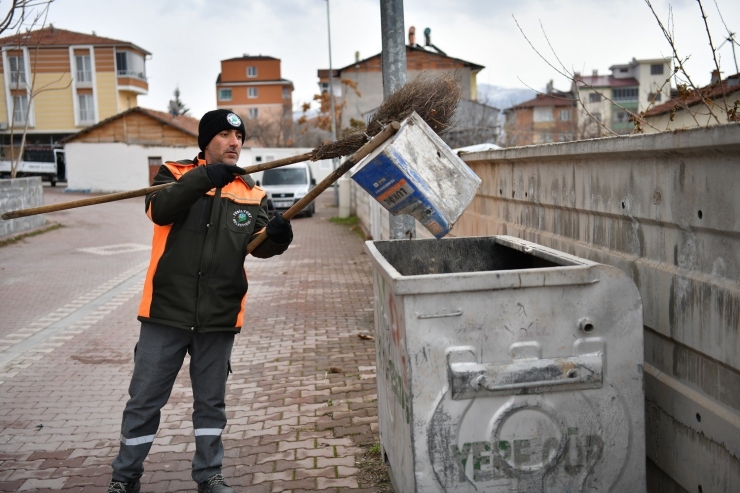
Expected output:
(632, 87)
(358, 87)
(253, 87)
(57, 82)
(548, 117)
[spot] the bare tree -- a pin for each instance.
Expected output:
(688, 91)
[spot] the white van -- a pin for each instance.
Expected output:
(287, 185)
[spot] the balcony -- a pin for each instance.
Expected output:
(84, 78)
(132, 74)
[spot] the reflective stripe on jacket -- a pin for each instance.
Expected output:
(196, 278)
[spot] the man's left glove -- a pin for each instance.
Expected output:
(279, 229)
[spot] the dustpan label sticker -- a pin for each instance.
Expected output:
(395, 194)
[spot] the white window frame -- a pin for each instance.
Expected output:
(22, 78)
(128, 72)
(251, 71)
(564, 115)
(88, 111)
(254, 112)
(19, 105)
(30, 113)
(252, 93)
(75, 97)
(84, 74)
(221, 93)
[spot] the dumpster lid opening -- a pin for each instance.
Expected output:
(474, 254)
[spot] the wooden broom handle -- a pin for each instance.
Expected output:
(112, 197)
(355, 158)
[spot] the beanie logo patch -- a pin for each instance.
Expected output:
(234, 120)
(242, 218)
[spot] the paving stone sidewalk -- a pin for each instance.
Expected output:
(294, 424)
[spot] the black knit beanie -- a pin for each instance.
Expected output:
(215, 121)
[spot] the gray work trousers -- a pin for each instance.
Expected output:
(158, 357)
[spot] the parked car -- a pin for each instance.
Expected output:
(287, 185)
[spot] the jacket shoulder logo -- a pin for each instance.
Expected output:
(242, 218)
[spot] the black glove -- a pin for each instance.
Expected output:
(279, 229)
(222, 174)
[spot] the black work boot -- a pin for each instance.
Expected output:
(132, 486)
(215, 484)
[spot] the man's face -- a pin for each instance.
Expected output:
(224, 147)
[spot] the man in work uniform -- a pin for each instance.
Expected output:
(194, 296)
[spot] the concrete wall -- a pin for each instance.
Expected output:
(664, 208)
(113, 167)
(20, 193)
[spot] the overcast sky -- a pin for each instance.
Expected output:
(188, 38)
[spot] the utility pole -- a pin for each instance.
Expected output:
(331, 102)
(394, 77)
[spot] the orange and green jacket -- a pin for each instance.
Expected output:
(196, 278)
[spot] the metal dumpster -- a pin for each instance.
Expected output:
(505, 366)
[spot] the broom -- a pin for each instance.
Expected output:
(434, 97)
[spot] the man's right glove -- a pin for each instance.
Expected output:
(222, 174)
(279, 229)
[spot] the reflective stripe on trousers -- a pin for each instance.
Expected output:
(160, 353)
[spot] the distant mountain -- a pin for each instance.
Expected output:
(503, 97)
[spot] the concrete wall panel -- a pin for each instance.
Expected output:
(665, 209)
(21, 193)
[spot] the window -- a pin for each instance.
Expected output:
(623, 70)
(251, 92)
(224, 94)
(284, 176)
(84, 69)
(20, 109)
(251, 71)
(258, 159)
(656, 69)
(543, 114)
(286, 93)
(597, 115)
(594, 97)
(324, 87)
(17, 70)
(564, 115)
(130, 64)
(254, 112)
(654, 97)
(86, 107)
(622, 117)
(626, 94)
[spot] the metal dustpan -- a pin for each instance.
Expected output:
(416, 173)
